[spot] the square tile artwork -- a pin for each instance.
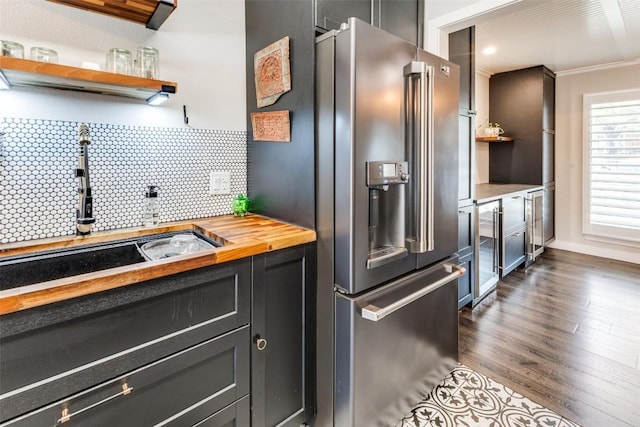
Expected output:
(468, 398)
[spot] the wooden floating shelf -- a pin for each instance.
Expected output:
(494, 139)
(150, 13)
(25, 72)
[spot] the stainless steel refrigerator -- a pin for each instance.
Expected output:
(386, 189)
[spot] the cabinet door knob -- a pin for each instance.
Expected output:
(261, 343)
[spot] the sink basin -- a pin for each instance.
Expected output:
(56, 264)
(178, 244)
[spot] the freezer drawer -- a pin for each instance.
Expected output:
(513, 213)
(390, 352)
(513, 251)
(179, 390)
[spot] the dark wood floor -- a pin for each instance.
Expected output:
(565, 333)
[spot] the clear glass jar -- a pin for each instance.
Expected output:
(12, 49)
(147, 62)
(44, 54)
(119, 61)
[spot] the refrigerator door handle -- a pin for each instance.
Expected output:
(423, 160)
(375, 313)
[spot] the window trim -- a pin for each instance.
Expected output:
(603, 233)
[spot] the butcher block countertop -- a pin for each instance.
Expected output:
(489, 192)
(242, 237)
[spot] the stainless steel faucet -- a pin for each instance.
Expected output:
(84, 212)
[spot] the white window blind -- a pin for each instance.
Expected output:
(611, 185)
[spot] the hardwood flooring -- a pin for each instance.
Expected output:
(565, 333)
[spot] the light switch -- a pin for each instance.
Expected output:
(220, 182)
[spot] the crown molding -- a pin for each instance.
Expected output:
(599, 67)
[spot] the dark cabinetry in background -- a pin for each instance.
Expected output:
(280, 175)
(462, 52)
(282, 328)
(523, 102)
(400, 17)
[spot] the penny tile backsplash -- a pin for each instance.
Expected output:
(38, 187)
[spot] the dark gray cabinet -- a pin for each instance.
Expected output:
(178, 344)
(185, 349)
(330, 14)
(523, 102)
(282, 328)
(400, 17)
(462, 52)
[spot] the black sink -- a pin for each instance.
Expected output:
(56, 264)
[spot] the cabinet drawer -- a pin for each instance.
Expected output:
(513, 213)
(57, 350)
(178, 390)
(513, 251)
(236, 414)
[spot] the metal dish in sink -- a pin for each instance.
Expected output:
(178, 244)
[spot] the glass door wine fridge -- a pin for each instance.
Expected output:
(487, 248)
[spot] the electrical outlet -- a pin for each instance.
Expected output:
(220, 182)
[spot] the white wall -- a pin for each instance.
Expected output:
(569, 91)
(482, 117)
(202, 48)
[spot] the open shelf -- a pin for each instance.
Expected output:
(494, 139)
(25, 72)
(150, 13)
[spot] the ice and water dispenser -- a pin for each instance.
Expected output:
(385, 180)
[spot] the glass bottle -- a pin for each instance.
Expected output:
(151, 213)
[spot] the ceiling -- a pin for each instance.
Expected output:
(561, 34)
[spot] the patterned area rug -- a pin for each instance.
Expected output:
(468, 398)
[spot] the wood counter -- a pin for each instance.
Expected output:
(242, 237)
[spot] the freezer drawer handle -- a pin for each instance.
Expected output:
(374, 313)
(66, 416)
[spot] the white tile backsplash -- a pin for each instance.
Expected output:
(38, 188)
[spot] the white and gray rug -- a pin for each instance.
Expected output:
(468, 398)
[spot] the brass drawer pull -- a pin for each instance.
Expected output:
(66, 416)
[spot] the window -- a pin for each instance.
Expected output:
(611, 210)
